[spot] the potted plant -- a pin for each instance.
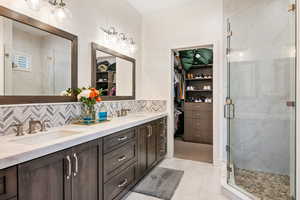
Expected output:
(89, 97)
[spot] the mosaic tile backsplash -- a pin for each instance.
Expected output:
(62, 114)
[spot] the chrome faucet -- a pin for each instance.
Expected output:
(19, 129)
(44, 128)
(123, 112)
(33, 126)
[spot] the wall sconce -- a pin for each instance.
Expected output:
(132, 46)
(58, 7)
(60, 10)
(34, 4)
(120, 40)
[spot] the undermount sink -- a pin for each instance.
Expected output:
(137, 115)
(40, 138)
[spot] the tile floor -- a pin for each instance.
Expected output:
(263, 185)
(201, 181)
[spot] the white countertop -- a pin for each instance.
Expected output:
(13, 152)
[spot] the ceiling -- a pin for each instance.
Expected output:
(146, 6)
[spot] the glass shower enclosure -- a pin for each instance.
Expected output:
(260, 106)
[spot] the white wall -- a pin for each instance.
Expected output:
(88, 17)
(196, 23)
(124, 77)
(26, 82)
(56, 59)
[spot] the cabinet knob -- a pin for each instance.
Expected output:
(122, 158)
(122, 138)
(124, 183)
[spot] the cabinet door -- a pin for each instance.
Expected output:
(161, 134)
(8, 183)
(46, 178)
(142, 150)
(85, 174)
(151, 145)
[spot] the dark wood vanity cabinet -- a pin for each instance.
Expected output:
(152, 145)
(45, 178)
(120, 161)
(147, 149)
(87, 158)
(8, 183)
(67, 175)
(161, 133)
(103, 169)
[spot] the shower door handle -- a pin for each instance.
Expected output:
(291, 104)
(233, 111)
(228, 112)
(225, 111)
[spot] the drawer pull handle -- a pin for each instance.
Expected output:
(69, 167)
(76, 164)
(122, 138)
(122, 158)
(123, 184)
(150, 131)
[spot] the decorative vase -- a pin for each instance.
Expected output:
(89, 114)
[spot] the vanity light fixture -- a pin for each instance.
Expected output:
(34, 4)
(123, 41)
(120, 40)
(59, 8)
(113, 35)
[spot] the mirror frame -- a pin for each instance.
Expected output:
(98, 47)
(13, 15)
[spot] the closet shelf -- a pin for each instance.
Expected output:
(105, 72)
(199, 79)
(198, 103)
(105, 82)
(202, 66)
(199, 90)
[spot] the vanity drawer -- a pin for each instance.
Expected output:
(206, 107)
(115, 140)
(120, 184)
(119, 159)
(8, 183)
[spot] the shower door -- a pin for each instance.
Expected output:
(260, 105)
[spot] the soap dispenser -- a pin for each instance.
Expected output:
(102, 115)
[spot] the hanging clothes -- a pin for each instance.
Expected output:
(179, 86)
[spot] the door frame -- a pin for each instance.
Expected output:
(218, 137)
(297, 101)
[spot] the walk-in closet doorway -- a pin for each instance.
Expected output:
(195, 103)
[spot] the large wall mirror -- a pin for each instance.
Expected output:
(113, 73)
(37, 61)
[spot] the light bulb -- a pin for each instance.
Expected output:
(123, 42)
(68, 13)
(34, 4)
(114, 38)
(60, 13)
(133, 48)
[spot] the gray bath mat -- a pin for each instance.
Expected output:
(160, 183)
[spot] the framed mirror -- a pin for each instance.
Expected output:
(37, 61)
(113, 73)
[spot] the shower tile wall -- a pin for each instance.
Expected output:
(261, 84)
(62, 114)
